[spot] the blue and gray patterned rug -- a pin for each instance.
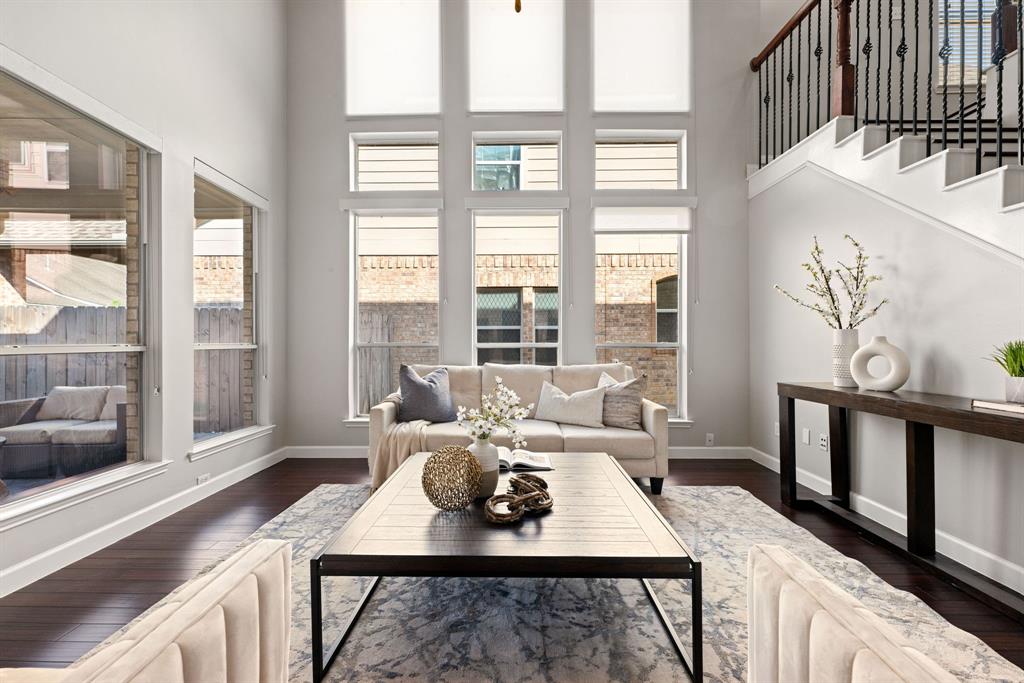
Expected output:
(518, 630)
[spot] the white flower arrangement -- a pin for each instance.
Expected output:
(498, 410)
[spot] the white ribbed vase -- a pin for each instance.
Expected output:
(844, 344)
(486, 454)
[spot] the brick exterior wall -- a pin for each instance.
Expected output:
(132, 292)
(398, 303)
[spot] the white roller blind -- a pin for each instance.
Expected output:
(516, 61)
(642, 219)
(642, 55)
(392, 57)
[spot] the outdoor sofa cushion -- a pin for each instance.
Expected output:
(39, 432)
(88, 433)
(117, 394)
(73, 403)
(624, 444)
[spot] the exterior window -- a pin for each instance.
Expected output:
(71, 292)
(224, 312)
(392, 57)
(501, 167)
(964, 48)
(517, 288)
(394, 167)
(637, 295)
(397, 300)
(647, 165)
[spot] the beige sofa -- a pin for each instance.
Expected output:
(230, 625)
(801, 627)
(642, 453)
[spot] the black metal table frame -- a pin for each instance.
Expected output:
(694, 664)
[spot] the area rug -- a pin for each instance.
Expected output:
(515, 630)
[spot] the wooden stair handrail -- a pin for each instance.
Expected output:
(801, 14)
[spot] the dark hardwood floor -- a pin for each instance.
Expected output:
(57, 619)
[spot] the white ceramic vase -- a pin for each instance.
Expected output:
(844, 345)
(899, 366)
(486, 454)
(1014, 389)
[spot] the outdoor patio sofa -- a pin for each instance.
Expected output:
(69, 431)
(642, 452)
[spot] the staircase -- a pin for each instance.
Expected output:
(947, 151)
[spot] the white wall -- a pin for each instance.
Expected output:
(208, 78)
(951, 303)
(723, 134)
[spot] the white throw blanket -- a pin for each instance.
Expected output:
(401, 440)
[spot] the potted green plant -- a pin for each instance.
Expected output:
(1010, 357)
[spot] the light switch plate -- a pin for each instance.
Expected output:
(805, 436)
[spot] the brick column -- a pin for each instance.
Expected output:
(248, 319)
(132, 328)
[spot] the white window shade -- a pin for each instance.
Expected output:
(392, 57)
(642, 55)
(642, 219)
(516, 60)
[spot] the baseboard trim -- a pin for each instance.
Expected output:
(325, 451)
(980, 560)
(710, 453)
(39, 566)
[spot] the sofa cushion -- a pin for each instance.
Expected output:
(425, 398)
(624, 444)
(38, 432)
(73, 403)
(463, 382)
(580, 408)
(573, 378)
(99, 432)
(117, 394)
(623, 401)
(525, 380)
(539, 435)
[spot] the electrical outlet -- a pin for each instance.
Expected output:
(777, 429)
(805, 436)
(709, 439)
(823, 441)
(202, 479)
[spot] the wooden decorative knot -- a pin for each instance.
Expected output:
(527, 493)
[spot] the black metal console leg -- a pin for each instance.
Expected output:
(322, 663)
(656, 484)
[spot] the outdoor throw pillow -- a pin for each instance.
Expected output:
(623, 401)
(425, 398)
(581, 408)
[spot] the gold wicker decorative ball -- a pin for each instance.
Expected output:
(451, 478)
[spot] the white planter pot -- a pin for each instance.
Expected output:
(899, 366)
(1015, 389)
(844, 345)
(486, 454)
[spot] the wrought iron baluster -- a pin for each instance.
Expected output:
(856, 75)
(817, 54)
(963, 69)
(998, 57)
(799, 58)
(807, 121)
(917, 60)
(1020, 82)
(878, 68)
(901, 52)
(776, 127)
(928, 98)
(789, 91)
(944, 53)
(977, 90)
(867, 50)
(828, 64)
(760, 78)
(888, 80)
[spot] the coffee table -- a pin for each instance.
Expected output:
(602, 527)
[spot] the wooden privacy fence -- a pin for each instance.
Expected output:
(223, 401)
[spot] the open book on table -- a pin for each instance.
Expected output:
(520, 459)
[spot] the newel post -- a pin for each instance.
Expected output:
(844, 75)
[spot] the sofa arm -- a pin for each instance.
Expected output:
(654, 420)
(19, 411)
(382, 416)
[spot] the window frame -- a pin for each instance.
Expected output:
(260, 207)
(520, 139)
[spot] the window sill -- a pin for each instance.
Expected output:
(22, 511)
(217, 444)
(356, 422)
(680, 423)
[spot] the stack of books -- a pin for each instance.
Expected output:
(1001, 406)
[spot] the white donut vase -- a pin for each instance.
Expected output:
(899, 366)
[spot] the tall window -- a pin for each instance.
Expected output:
(637, 295)
(396, 300)
(224, 312)
(71, 292)
(517, 287)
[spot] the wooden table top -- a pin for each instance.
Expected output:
(602, 525)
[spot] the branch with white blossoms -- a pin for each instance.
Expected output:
(854, 280)
(498, 410)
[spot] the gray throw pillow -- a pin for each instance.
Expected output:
(623, 401)
(425, 398)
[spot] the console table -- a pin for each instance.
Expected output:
(922, 413)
